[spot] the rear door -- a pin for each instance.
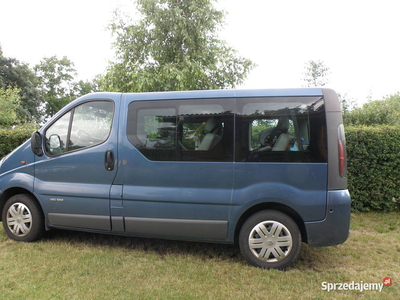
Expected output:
(74, 176)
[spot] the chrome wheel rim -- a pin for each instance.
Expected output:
(270, 241)
(19, 219)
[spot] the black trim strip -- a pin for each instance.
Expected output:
(80, 221)
(207, 229)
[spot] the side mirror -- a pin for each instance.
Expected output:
(36, 143)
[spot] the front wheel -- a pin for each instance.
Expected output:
(270, 239)
(23, 218)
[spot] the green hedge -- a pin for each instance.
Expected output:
(12, 138)
(373, 167)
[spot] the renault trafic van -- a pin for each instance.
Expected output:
(263, 168)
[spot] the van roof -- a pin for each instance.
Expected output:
(299, 92)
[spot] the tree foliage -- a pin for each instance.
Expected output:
(9, 103)
(14, 74)
(82, 87)
(174, 46)
(44, 89)
(56, 82)
(378, 112)
(316, 74)
(58, 85)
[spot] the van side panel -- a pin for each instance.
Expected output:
(180, 199)
(299, 186)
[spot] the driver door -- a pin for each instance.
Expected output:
(74, 176)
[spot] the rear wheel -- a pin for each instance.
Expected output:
(270, 239)
(23, 218)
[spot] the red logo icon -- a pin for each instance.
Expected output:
(387, 281)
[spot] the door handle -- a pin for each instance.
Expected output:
(109, 160)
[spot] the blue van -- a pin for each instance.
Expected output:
(263, 168)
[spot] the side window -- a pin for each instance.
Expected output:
(262, 133)
(86, 125)
(205, 130)
(280, 129)
(182, 130)
(57, 135)
(156, 128)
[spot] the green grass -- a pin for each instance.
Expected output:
(74, 265)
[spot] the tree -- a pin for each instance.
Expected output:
(9, 103)
(14, 74)
(316, 74)
(56, 82)
(83, 87)
(174, 46)
(378, 112)
(348, 105)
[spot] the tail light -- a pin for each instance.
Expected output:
(342, 152)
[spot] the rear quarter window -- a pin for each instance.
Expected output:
(284, 129)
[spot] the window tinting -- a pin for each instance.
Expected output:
(156, 128)
(182, 130)
(280, 130)
(291, 129)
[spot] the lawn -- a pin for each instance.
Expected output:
(74, 265)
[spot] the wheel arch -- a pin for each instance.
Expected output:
(12, 192)
(272, 206)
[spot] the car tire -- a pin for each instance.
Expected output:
(270, 239)
(23, 218)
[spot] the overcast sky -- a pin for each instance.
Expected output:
(358, 40)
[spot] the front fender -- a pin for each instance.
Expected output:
(17, 169)
(20, 181)
(14, 183)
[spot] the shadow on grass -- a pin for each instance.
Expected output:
(161, 247)
(316, 259)
(309, 258)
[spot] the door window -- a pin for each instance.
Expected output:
(86, 125)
